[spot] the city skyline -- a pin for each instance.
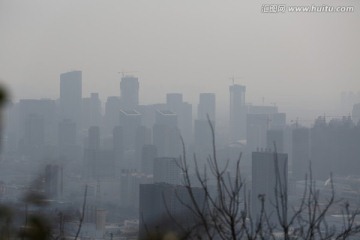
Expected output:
(260, 56)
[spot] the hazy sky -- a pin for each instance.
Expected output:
(300, 60)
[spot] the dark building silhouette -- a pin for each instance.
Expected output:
(202, 139)
(142, 138)
(130, 121)
(118, 148)
(275, 136)
(335, 147)
(166, 136)
(53, 181)
(356, 113)
(111, 116)
(148, 155)
(257, 126)
(300, 152)
(71, 96)
(238, 112)
(161, 203)
(129, 89)
(166, 170)
(206, 106)
(91, 111)
(67, 140)
(183, 110)
(269, 172)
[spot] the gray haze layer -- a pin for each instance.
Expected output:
(291, 59)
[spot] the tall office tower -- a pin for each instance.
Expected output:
(202, 139)
(71, 96)
(66, 132)
(53, 181)
(275, 136)
(356, 113)
(91, 111)
(269, 174)
(129, 187)
(68, 148)
(300, 152)
(111, 116)
(166, 170)
(334, 147)
(94, 138)
(183, 110)
(168, 202)
(166, 136)
(129, 88)
(257, 126)
(34, 136)
(118, 148)
(42, 108)
(143, 137)
(130, 121)
(237, 113)
(148, 155)
(98, 163)
(206, 106)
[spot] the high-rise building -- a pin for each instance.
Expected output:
(94, 137)
(202, 139)
(300, 152)
(111, 116)
(148, 155)
(356, 113)
(237, 113)
(257, 126)
(44, 109)
(129, 88)
(53, 181)
(334, 148)
(71, 96)
(91, 111)
(168, 202)
(142, 138)
(66, 132)
(183, 110)
(166, 170)
(67, 140)
(206, 106)
(269, 175)
(166, 136)
(130, 121)
(275, 136)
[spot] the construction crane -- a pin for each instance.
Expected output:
(233, 78)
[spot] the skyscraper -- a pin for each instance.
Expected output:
(71, 96)
(183, 110)
(206, 106)
(269, 174)
(129, 88)
(237, 112)
(91, 111)
(130, 121)
(166, 170)
(166, 135)
(111, 116)
(300, 152)
(160, 204)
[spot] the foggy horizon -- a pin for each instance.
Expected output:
(184, 47)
